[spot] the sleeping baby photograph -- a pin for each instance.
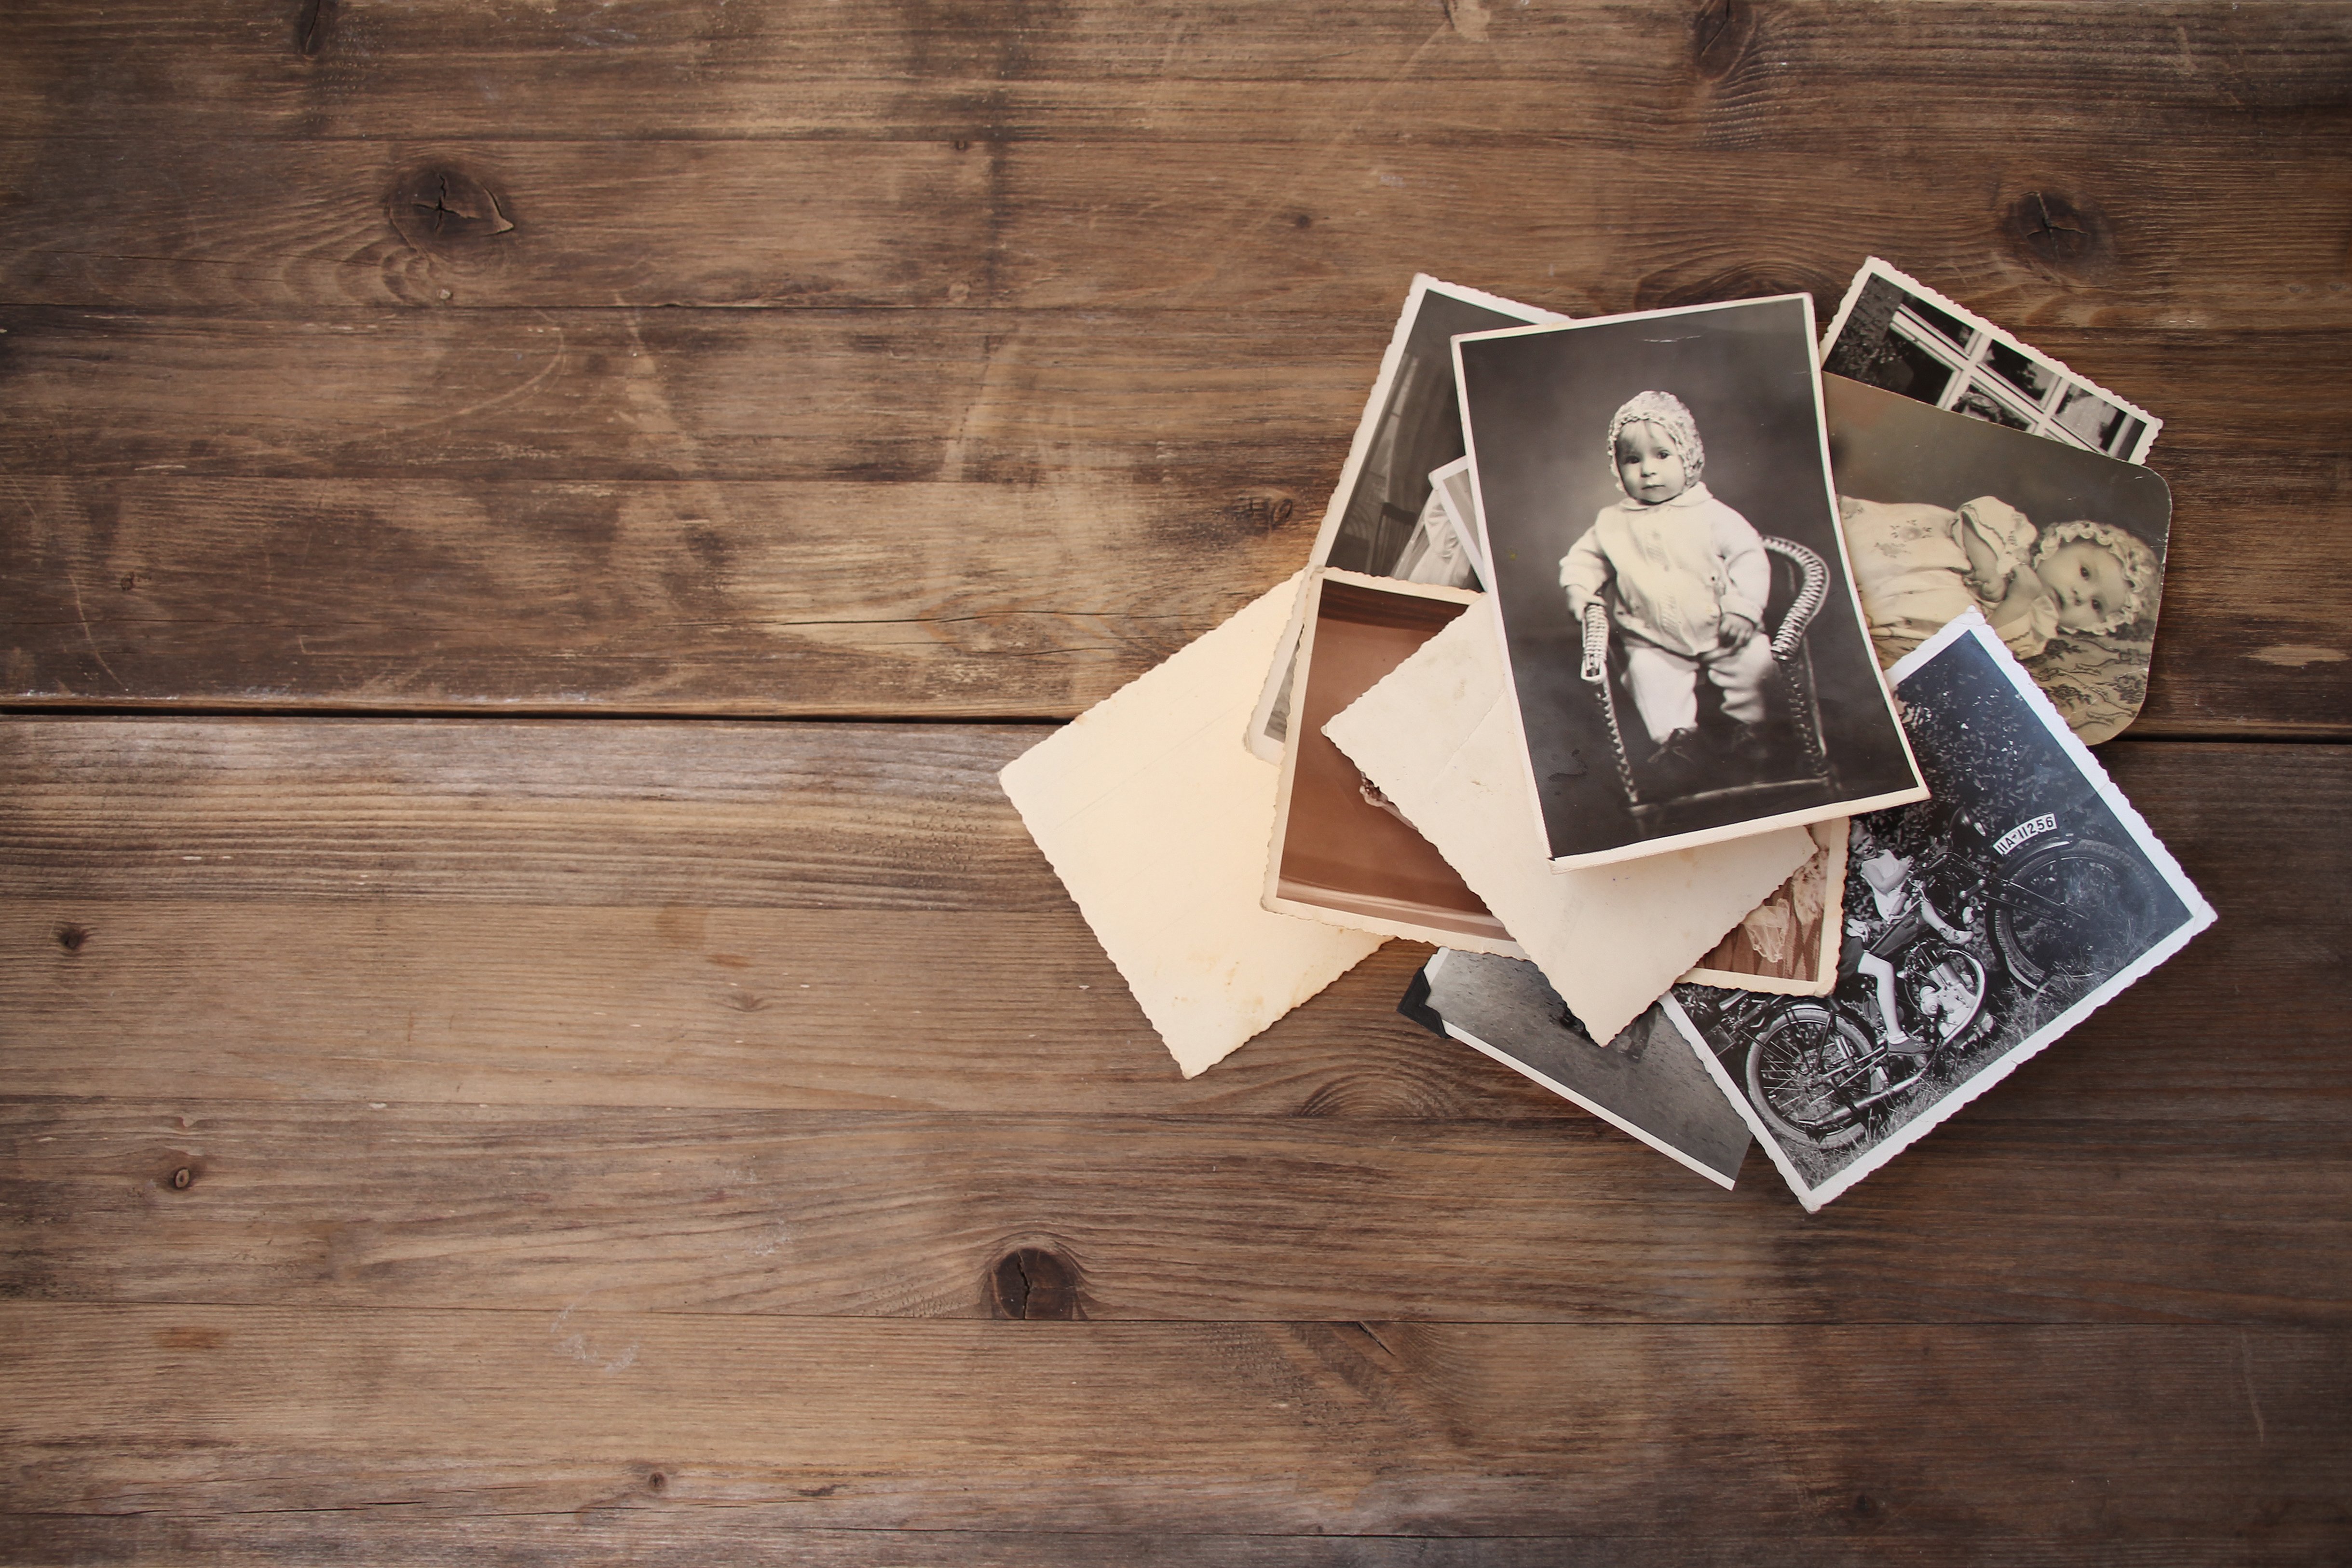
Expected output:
(1679, 620)
(2061, 549)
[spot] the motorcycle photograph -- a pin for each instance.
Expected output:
(1970, 943)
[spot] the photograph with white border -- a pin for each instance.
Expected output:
(1894, 333)
(1452, 484)
(1981, 924)
(1684, 646)
(1383, 508)
(1642, 1082)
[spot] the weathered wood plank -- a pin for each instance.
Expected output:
(522, 224)
(867, 396)
(626, 914)
(209, 224)
(880, 1213)
(663, 1538)
(686, 1005)
(635, 814)
(641, 814)
(1058, 475)
(1789, 74)
(1847, 1433)
(882, 395)
(972, 599)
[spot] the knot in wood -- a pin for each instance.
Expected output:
(71, 936)
(1033, 1284)
(314, 21)
(2058, 233)
(442, 209)
(181, 1178)
(1720, 33)
(1261, 513)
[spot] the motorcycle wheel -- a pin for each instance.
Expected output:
(1804, 1072)
(2078, 913)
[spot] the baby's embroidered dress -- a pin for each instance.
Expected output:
(1912, 568)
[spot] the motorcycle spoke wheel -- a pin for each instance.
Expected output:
(2074, 917)
(1805, 1073)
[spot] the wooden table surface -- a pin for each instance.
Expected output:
(530, 1034)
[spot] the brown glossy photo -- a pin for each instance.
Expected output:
(1341, 853)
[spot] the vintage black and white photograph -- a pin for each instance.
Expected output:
(1686, 651)
(2061, 549)
(1894, 331)
(1384, 519)
(1981, 924)
(1451, 485)
(1644, 1081)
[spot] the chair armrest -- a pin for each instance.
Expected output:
(1596, 642)
(1809, 593)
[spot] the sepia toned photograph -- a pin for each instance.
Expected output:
(1342, 853)
(1384, 519)
(1644, 1081)
(2061, 549)
(1789, 943)
(1684, 646)
(1894, 333)
(1980, 925)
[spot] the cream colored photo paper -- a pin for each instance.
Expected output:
(1440, 737)
(1157, 819)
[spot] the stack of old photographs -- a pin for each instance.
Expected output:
(1723, 722)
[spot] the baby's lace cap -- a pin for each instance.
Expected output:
(1669, 414)
(2141, 569)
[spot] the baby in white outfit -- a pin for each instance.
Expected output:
(1683, 578)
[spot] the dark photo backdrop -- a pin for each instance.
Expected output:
(1539, 407)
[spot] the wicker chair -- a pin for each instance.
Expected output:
(1801, 581)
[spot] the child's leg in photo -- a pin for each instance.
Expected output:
(1740, 675)
(1665, 688)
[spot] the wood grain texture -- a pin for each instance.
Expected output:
(580, 1128)
(578, 224)
(663, 1538)
(1225, 1218)
(867, 396)
(2157, 244)
(1192, 69)
(952, 513)
(979, 599)
(780, 916)
(1374, 1429)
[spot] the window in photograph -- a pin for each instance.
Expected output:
(2036, 381)
(1920, 373)
(1966, 370)
(2099, 424)
(1979, 402)
(1950, 327)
